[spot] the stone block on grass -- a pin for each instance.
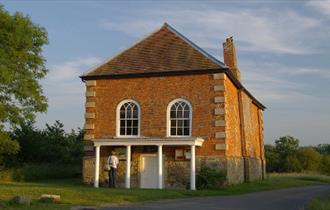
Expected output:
(50, 198)
(83, 208)
(23, 199)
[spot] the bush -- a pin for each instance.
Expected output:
(209, 178)
(34, 172)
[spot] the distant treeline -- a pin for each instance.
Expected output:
(287, 156)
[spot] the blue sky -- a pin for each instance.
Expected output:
(283, 52)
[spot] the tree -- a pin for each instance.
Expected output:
(323, 149)
(272, 158)
(31, 142)
(286, 147)
(21, 67)
(50, 145)
(292, 164)
(325, 165)
(309, 159)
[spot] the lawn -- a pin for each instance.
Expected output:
(74, 193)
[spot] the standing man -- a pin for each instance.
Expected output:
(113, 162)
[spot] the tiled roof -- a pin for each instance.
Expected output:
(165, 50)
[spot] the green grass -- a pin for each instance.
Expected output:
(319, 204)
(74, 193)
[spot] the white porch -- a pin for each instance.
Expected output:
(159, 142)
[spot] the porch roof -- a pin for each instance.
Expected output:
(146, 141)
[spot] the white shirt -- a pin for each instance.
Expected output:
(113, 161)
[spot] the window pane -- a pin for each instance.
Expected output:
(180, 114)
(122, 123)
(173, 132)
(173, 114)
(135, 131)
(129, 123)
(173, 123)
(186, 114)
(173, 107)
(122, 113)
(180, 132)
(122, 131)
(186, 123)
(135, 114)
(180, 123)
(129, 131)
(180, 108)
(186, 131)
(129, 113)
(135, 123)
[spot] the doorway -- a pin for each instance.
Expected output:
(149, 171)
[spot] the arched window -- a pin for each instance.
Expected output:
(179, 115)
(128, 118)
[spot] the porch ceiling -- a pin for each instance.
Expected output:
(143, 141)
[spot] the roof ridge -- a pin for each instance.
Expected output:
(192, 44)
(174, 31)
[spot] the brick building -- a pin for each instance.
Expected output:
(167, 108)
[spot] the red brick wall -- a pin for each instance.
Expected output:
(233, 130)
(154, 94)
(251, 127)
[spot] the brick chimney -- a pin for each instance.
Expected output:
(230, 58)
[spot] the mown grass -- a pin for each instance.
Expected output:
(319, 204)
(74, 193)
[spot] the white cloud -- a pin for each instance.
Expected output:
(71, 69)
(321, 6)
(63, 86)
(278, 83)
(262, 30)
(65, 92)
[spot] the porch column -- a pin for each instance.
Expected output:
(128, 167)
(97, 166)
(192, 168)
(160, 166)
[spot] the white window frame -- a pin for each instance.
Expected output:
(118, 119)
(168, 118)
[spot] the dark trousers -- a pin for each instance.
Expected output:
(112, 177)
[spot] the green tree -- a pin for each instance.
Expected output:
(50, 145)
(323, 149)
(325, 164)
(309, 159)
(292, 164)
(31, 142)
(21, 67)
(272, 158)
(286, 147)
